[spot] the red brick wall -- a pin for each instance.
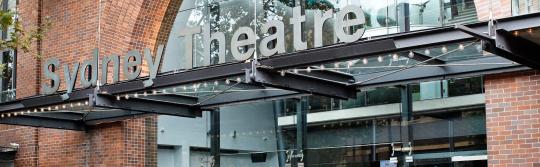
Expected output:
(126, 143)
(513, 119)
(26, 62)
(124, 25)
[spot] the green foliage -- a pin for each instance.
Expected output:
(19, 38)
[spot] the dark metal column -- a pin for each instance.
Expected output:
(406, 127)
(373, 142)
(404, 17)
(301, 131)
(214, 136)
(278, 108)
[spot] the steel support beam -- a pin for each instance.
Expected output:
(516, 48)
(334, 76)
(170, 98)
(473, 67)
(60, 115)
(98, 117)
(44, 122)
(248, 96)
(507, 45)
(145, 105)
(421, 57)
(338, 52)
(300, 83)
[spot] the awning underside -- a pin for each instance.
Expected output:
(336, 71)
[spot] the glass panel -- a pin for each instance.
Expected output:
(248, 135)
(187, 44)
(520, 7)
(439, 136)
(385, 95)
(459, 12)
(424, 13)
(359, 101)
(465, 86)
(320, 103)
(335, 134)
(226, 17)
(342, 156)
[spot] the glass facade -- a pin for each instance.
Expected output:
(520, 7)
(216, 18)
(447, 121)
(366, 131)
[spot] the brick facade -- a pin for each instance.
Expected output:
(126, 143)
(513, 119)
(501, 9)
(77, 28)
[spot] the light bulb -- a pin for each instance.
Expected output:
(164, 91)
(380, 59)
(444, 49)
(336, 65)
(411, 54)
(227, 81)
(308, 69)
(322, 67)
(350, 63)
(238, 79)
(126, 96)
(145, 94)
(117, 97)
(136, 95)
(395, 57)
(461, 47)
(295, 71)
(205, 84)
(365, 61)
(216, 83)
(282, 73)
(427, 52)
(154, 92)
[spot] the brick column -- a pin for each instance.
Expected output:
(124, 25)
(513, 119)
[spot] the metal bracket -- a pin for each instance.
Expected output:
(300, 83)
(145, 105)
(516, 48)
(507, 45)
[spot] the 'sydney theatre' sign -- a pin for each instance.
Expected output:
(133, 60)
